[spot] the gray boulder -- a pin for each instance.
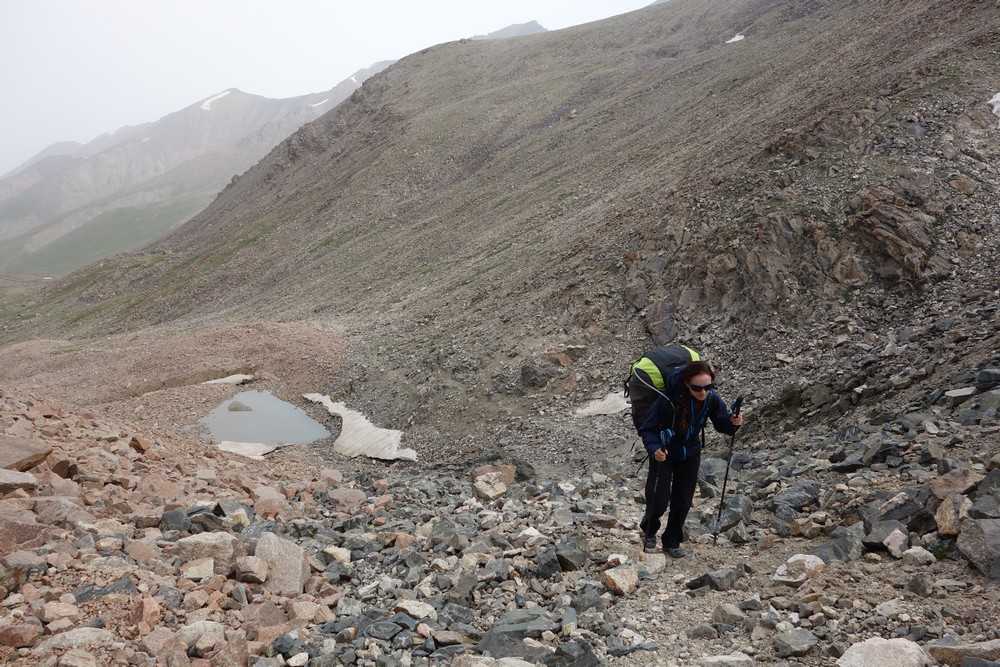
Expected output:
(979, 541)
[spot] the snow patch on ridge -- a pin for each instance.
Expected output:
(995, 103)
(320, 103)
(354, 79)
(738, 38)
(207, 104)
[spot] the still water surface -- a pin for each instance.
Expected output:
(270, 420)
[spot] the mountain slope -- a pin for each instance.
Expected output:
(175, 164)
(638, 177)
(516, 30)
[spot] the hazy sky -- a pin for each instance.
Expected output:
(73, 69)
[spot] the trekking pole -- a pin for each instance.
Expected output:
(735, 410)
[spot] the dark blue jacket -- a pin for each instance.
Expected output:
(661, 417)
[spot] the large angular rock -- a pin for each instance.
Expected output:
(952, 654)
(795, 643)
(506, 637)
(846, 544)
(218, 546)
(982, 408)
(884, 653)
(723, 579)
(20, 635)
(908, 507)
(12, 480)
(416, 609)
(251, 569)
(20, 532)
(76, 638)
(346, 499)
(21, 453)
(573, 553)
(798, 496)
(797, 569)
(959, 481)
(979, 541)
(489, 486)
(621, 580)
(950, 514)
(287, 566)
(575, 653)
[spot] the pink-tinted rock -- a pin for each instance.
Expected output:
(19, 635)
(20, 533)
(347, 500)
(287, 566)
(146, 613)
(12, 480)
(21, 453)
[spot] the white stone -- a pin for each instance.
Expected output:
(239, 378)
(884, 653)
(489, 487)
(216, 545)
(76, 638)
(287, 568)
(416, 609)
(622, 580)
(359, 437)
(192, 632)
(737, 659)
(611, 404)
(797, 569)
(918, 556)
(890, 608)
(250, 450)
(897, 542)
(339, 554)
(199, 570)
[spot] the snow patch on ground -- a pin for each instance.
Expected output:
(359, 437)
(144, 140)
(995, 103)
(239, 378)
(354, 79)
(251, 450)
(738, 38)
(207, 104)
(611, 404)
(320, 103)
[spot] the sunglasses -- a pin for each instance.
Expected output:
(701, 387)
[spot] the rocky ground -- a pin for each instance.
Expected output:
(827, 236)
(123, 544)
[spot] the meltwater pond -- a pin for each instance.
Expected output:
(260, 416)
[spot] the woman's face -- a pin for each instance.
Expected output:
(700, 385)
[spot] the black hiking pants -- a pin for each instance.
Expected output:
(672, 484)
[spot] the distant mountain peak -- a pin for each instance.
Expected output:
(207, 103)
(516, 30)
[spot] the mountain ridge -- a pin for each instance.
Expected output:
(55, 193)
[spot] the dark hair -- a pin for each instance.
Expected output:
(690, 371)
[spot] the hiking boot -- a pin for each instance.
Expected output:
(675, 552)
(649, 544)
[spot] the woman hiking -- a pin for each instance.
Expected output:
(671, 431)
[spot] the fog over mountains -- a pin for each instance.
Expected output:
(74, 203)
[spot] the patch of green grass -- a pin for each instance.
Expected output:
(112, 232)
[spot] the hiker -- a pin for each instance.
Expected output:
(672, 430)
